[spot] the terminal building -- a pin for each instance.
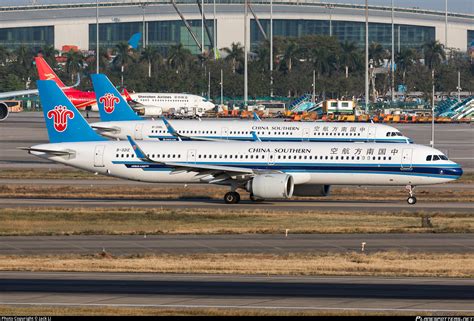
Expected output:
(75, 23)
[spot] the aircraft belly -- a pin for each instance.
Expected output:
(374, 179)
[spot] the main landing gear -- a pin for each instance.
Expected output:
(232, 197)
(411, 199)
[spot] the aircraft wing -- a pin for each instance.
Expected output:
(207, 173)
(48, 151)
(9, 94)
(25, 92)
(106, 129)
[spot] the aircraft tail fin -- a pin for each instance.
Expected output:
(46, 73)
(112, 106)
(126, 94)
(63, 121)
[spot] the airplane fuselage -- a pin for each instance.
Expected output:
(242, 130)
(307, 163)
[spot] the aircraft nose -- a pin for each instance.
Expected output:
(452, 172)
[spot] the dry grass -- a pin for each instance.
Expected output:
(60, 221)
(139, 311)
(161, 192)
(344, 264)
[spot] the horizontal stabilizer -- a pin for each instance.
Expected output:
(48, 151)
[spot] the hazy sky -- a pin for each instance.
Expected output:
(465, 6)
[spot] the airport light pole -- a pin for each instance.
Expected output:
(271, 48)
(214, 32)
(366, 56)
(392, 65)
(432, 109)
(446, 24)
(209, 86)
(330, 7)
(97, 58)
(459, 86)
(222, 88)
(245, 56)
(144, 30)
(202, 27)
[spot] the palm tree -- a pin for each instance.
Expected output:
(322, 60)
(377, 53)
(4, 54)
(74, 63)
(235, 54)
(405, 59)
(49, 54)
(151, 56)
(434, 53)
(349, 56)
(289, 55)
(123, 58)
(179, 57)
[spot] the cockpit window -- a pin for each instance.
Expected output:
(394, 134)
(436, 157)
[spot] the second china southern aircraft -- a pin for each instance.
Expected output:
(119, 121)
(268, 170)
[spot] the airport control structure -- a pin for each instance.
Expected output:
(161, 22)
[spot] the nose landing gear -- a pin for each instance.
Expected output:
(411, 199)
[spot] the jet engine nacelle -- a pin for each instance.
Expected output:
(3, 111)
(149, 111)
(312, 190)
(271, 186)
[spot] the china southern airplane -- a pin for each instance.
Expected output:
(268, 170)
(120, 121)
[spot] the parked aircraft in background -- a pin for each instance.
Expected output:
(120, 121)
(268, 170)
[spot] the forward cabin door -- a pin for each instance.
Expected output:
(99, 156)
(407, 154)
(138, 132)
(191, 156)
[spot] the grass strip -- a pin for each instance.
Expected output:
(387, 264)
(175, 191)
(117, 221)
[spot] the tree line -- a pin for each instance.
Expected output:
(339, 68)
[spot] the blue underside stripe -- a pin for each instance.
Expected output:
(288, 139)
(439, 171)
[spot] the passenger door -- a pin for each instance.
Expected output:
(138, 132)
(407, 154)
(99, 156)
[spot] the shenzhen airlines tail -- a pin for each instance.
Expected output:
(267, 170)
(120, 121)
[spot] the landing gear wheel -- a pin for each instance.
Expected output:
(255, 199)
(411, 200)
(231, 198)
